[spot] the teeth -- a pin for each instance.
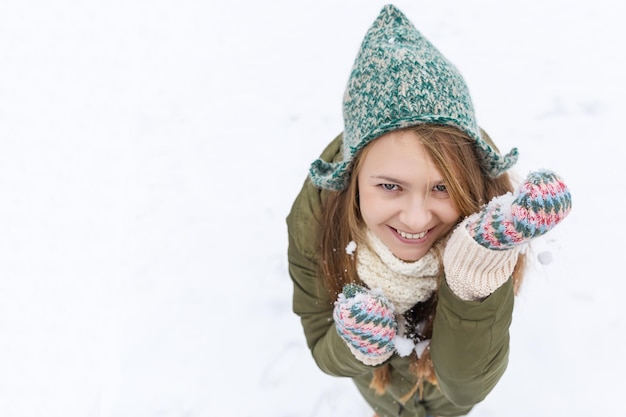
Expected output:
(411, 235)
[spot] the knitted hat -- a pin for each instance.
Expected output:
(399, 79)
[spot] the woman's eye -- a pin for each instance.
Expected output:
(389, 187)
(440, 188)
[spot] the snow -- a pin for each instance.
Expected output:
(403, 345)
(421, 346)
(545, 257)
(351, 247)
(150, 151)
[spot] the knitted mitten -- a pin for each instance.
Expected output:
(481, 253)
(366, 322)
(542, 201)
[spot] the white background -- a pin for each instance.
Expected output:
(150, 151)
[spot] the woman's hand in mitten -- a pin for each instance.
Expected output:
(366, 322)
(540, 203)
(481, 253)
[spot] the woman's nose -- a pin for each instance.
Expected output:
(416, 215)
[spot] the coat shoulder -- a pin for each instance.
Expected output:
(304, 218)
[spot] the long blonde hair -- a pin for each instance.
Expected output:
(453, 154)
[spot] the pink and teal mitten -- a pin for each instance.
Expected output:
(476, 260)
(539, 204)
(366, 322)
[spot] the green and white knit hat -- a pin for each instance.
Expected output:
(399, 79)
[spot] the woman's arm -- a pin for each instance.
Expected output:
(471, 331)
(310, 301)
(315, 310)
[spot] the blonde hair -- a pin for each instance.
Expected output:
(454, 155)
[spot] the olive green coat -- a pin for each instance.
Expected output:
(469, 346)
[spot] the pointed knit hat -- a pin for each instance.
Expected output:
(399, 79)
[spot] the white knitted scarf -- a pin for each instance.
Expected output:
(403, 283)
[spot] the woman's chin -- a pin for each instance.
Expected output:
(409, 255)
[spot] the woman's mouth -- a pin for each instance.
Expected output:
(412, 236)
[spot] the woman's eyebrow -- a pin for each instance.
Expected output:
(389, 179)
(394, 180)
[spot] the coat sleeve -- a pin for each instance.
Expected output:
(330, 352)
(470, 343)
(310, 301)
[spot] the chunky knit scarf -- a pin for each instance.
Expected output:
(403, 283)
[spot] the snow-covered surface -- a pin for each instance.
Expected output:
(150, 151)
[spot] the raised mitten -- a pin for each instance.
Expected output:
(481, 253)
(367, 323)
(540, 203)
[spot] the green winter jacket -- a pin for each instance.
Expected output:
(469, 346)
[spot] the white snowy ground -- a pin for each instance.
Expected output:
(150, 151)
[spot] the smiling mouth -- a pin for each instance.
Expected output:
(412, 236)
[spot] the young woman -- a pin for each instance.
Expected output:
(406, 241)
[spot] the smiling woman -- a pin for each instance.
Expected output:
(418, 313)
(402, 195)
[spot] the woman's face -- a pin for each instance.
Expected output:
(403, 196)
